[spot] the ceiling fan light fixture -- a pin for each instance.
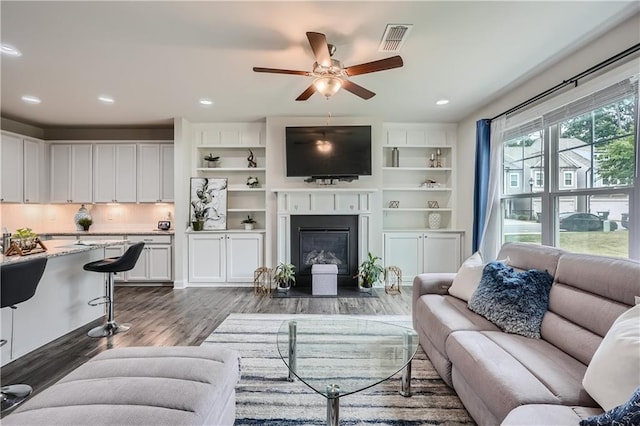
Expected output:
(328, 85)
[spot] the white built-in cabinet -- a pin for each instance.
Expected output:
(224, 257)
(71, 173)
(155, 173)
(114, 171)
(25, 168)
(154, 264)
(422, 182)
(418, 252)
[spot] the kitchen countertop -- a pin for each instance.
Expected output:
(108, 232)
(57, 248)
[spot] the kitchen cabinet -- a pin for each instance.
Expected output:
(155, 260)
(114, 173)
(12, 169)
(224, 257)
(35, 173)
(418, 252)
(155, 173)
(71, 173)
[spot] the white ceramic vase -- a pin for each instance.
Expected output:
(82, 213)
(435, 219)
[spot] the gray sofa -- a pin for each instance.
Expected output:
(511, 379)
(140, 386)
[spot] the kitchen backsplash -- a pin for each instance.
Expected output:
(47, 218)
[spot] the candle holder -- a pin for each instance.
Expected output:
(438, 158)
(432, 160)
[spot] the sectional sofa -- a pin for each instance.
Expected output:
(511, 379)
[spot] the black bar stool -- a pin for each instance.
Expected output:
(110, 266)
(18, 283)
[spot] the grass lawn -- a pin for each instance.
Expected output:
(604, 243)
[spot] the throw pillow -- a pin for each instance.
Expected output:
(514, 301)
(627, 414)
(468, 277)
(614, 370)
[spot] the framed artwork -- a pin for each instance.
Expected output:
(394, 204)
(208, 202)
(433, 204)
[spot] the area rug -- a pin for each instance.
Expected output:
(265, 397)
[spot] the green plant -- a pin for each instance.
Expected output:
(249, 219)
(370, 271)
(210, 157)
(85, 222)
(24, 233)
(285, 275)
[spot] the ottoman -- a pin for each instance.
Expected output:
(140, 386)
(324, 280)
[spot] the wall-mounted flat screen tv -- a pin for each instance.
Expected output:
(328, 151)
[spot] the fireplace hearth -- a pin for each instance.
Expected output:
(325, 239)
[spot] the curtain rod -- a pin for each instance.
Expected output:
(572, 80)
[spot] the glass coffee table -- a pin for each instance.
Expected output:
(340, 356)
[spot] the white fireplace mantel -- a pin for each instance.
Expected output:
(323, 201)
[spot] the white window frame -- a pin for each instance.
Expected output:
(571, 175)
(517, 180)
(538, 179)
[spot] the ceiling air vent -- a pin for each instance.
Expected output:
(394, 37)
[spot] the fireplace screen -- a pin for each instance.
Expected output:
(324, 246)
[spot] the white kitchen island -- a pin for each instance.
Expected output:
(60, 303)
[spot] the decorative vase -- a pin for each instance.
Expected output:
(82, 213)
(197, 225)
(248, 226)
(435, 220)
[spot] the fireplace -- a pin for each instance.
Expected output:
(325, 239)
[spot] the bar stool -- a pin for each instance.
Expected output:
(18, 283)
(110, 266)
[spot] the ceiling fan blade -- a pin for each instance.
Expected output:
(318, 42)
(357, 90)
(307, 93)
(280, 71)
(380, 65)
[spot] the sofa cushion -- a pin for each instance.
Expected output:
(525, 256)
(469, 275)
(547, 414)
(614, 371)
(627, 414)
(171, 385)
(514, 301)
(517, 370)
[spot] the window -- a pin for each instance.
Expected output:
(539, 179)
(568, 179)
(581, 160)
(514, 180)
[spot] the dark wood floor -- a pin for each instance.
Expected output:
(161, 316)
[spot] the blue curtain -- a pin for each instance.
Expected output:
(481, 188)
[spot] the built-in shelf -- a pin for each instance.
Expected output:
(414, 209)
(430, 169)
(226, 231)
(400, 188)
(247, 210)
(230, 169)
(230, 146)
(441, 230)
(244, 189)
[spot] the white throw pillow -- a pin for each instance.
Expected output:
(614, 371)
(468, 277)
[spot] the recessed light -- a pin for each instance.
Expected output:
(442, 101)
(7, 49)
(206, 102)
(31, 99)
(106, 99)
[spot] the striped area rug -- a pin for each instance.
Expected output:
(265, 397)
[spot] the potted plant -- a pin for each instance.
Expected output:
(211, 160)
(25, 238)
(85, 222)
(285, 276)
(369, 272)
(199, 214)
(253, 182)
(248, 223)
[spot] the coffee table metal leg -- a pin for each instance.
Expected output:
(333, 405)
(292, 349)
(406, 372)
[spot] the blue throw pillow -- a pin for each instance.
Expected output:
(627, 414)
(514, 301)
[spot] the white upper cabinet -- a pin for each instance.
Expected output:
(155, 173)
(36, 166)
(114, 173)
(12, 169)
(71, 173)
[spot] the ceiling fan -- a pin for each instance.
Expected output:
(330, 75)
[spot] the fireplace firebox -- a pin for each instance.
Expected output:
(326, 239)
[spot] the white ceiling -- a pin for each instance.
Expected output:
(157, 59)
